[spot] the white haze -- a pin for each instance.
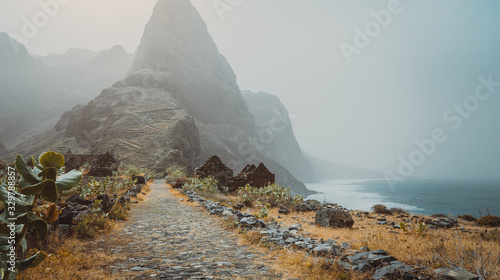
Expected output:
(366, 113)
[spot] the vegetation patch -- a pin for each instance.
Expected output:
(381, 209)
(489, 221)
(468, 218)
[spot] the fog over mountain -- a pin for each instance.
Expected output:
(406, 82)
(35, 91)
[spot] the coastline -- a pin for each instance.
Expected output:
(417, 196)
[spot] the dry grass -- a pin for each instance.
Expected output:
(434, 248)
(144, 192)
(298, 264)
(70, 258)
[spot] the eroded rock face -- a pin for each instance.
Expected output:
(272, 119)
(336, 218)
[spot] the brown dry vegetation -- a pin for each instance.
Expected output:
(71, 258)
(478, 252)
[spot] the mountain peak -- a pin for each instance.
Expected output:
(176, 43)
(177, 36)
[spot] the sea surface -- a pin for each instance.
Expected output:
(419, 196)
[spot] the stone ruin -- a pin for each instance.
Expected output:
(258, 177)
(215, 168)
(100, 165)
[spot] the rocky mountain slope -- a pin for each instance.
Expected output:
(179, 105)
(34, 95)
(275, 137)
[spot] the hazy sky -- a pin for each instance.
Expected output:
(367, 113)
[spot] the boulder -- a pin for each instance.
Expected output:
(122, 200)
(367, 261)
(284, 210)
(140, 179)
(324, 250)
(179, 183)
(455, 273)
(78, 199)
(66, 217)
(397, 271)
(447, 222)
(238, 206)
(336, 218)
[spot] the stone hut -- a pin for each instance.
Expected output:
(258, 177)
(217, 169)
(100, 165)
(103, 166)
(77, 161)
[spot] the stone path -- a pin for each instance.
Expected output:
(165, 239)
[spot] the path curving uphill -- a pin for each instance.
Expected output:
(165, 239)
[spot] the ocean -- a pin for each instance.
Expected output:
(419, 196)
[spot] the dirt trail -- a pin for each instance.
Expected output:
(165, 239)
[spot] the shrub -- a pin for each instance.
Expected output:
(119, 211)
(205, 186)
(381, 209)
(421, 228)
(273, 194)
(468, 218)
(130, 170)
(92, 222)
(489, 221)
(92, 188)
(403, 226)
(264, 212)
(175, 174)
